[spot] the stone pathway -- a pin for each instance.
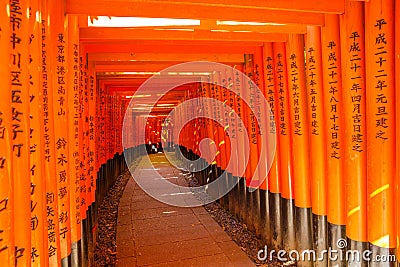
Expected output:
(152, 233)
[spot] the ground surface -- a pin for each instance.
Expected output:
(138, 230)
(152, 233)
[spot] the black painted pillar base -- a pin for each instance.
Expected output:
(74, 255)
(242, 200)
(233, 195)
(382, 257)
(249, 218)
(84, 244)
(320, 232)
(356, 259)
(303, 228)
(337, 241)
(255, 204)
(66, 262)
(227, 181)
(288, 222)
(265, 218)
(275, 220)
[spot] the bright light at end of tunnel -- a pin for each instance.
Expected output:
(183, 30)
(248, 23)
(186, 73)
(105, 21)
(137, 96)
(139, 73)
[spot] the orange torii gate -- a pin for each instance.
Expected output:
(329, 71)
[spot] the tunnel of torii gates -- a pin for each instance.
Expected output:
(329, 71)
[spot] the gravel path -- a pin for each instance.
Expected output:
(106, 245)
(238, 231)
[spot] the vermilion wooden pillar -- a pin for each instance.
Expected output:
(299, 136)
(224, 98)
(83, 148)
(352, 42)
(250, 122)
(397, 85)
(240, 128)
(335, 128)
(317, 137)
(73, 135)
(283, 128)
(381, 126)
(273, 199)
(39, 238)
(208, 123)
(59, 50)
(252, 178)
(47, 72)
(243, 149)
(6, 135)
(233, 176)
(19, 76)
(92, 124)
(263, 137)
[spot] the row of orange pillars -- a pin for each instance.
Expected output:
(329, 195)
(60, 139)
(333, 97)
